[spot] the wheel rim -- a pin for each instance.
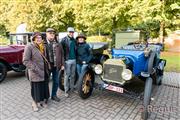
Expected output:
(86, 83)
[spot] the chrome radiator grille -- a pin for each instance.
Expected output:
(113, 73)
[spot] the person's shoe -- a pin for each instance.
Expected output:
(46, 101)
(55, 98)
(35, 107)
(66, 95)
(45, 105)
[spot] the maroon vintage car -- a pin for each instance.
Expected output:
(11, 59)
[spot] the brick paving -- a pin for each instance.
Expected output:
(15, 103)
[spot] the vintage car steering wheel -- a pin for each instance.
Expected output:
(139, 46)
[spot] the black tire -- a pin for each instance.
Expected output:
(61, 80)
(86, 84)
(151, 62)
(21, 69)
(3, 72)
(147, 98)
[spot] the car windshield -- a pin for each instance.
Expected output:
(20, 38)
(134, 47)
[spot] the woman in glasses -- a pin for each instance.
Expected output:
(38, 71)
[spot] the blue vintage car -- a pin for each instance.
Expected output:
(138, 58)
(133, 61)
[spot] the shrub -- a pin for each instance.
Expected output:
(4, 41)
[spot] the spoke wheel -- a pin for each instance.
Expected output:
(85, 85)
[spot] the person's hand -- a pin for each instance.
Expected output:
(62, 67)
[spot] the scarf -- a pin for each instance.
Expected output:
(52, 52)
(40, 47)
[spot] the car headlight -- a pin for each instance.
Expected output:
(126, 74)
(98, 69)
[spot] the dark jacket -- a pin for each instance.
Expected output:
(34, 62)
(59, 54)
(66, 47)
(84, 53)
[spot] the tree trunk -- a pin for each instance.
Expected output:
(161, 32)
(114, 26)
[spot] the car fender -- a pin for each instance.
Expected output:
(103, 58)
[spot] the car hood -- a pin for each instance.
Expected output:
(98, 45)
(11, 48)
(133, 54)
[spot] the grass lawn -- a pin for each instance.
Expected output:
(173, 61)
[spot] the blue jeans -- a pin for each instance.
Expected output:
(70, 72)
(55, 84)
(81, 68)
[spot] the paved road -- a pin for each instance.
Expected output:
(15, 103)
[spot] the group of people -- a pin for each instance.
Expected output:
(46, 57)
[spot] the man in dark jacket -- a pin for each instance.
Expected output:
(69, 46)
(55, 58)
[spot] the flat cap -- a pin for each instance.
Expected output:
(70, 29)
(50, 30)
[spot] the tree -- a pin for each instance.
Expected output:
(91, 16)
(101, 15)
(156, 16)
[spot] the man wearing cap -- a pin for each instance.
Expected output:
(69, 46)
(55, 58)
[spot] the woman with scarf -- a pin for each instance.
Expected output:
(38, 71)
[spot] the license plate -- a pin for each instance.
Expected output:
(114, 88)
